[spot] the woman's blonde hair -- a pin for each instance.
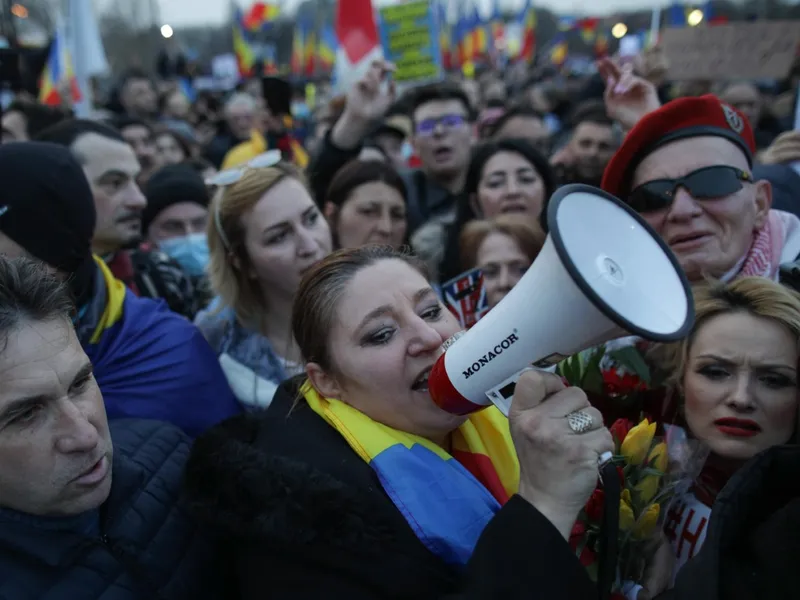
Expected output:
(228, 267)
(528, 237)
(756, 296)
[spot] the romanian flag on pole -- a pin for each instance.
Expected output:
(445, 34)
(465, 38)
(260, 15)
(601, 45)
(496, 24)
(58, 71)
(298, 50)
(245, 56)
(326, 49)
(559, 50)
(588, 29)
(479, 41)
(527, 17)
(310, 52)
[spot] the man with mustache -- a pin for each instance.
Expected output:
(88, 509)
(113, 167)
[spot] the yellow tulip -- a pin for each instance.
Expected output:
(625, 497)
(657, 459)
(647, 522)
(637, 443)
(626, 517)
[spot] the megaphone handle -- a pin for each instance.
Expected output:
(608, 548)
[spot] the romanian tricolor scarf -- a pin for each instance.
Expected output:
(447, 499)
(150, 362)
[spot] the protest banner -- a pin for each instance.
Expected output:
(410, 39)
(759, 50)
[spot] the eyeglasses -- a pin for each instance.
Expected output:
(708, 183)
(228, 177)
(427, 127)
(270, 158)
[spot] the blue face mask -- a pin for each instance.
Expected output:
(300, 110)
(407, 151)
(190, 252)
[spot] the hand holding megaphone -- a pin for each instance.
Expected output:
(602, 274)
(558, 465)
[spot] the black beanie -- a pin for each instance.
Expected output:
(46, 204)
(170, 185)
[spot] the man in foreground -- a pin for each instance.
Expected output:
(87, 510)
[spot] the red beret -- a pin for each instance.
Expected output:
(682, 118)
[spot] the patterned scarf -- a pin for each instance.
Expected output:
(446, 498)
(776, 243)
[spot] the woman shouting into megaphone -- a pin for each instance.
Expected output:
(354, 484)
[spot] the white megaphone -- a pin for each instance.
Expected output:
(602, 274)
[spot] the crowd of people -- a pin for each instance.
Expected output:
(217, 335)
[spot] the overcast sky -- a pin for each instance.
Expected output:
(181, 12)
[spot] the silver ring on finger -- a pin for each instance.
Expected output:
(580, 421)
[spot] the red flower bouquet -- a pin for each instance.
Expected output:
(620, 384)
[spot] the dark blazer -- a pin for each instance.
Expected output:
(305, 517)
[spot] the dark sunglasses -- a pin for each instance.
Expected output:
(708, 183)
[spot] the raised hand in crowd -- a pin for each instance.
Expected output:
(558, 467)
(653, 65)
(628, 97)
(784, 150)
(367, 101)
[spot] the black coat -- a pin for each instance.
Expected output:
(305, 517)
(752, 548)
(146, 549)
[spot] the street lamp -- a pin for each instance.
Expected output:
(619, 30)
(166, 31)
(19, 11)
(695, 17)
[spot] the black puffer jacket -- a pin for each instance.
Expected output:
(752, 548)
(147, 548)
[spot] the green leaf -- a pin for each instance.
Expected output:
(572, 370)
(651, 471)
(630, 358)
(593, 379)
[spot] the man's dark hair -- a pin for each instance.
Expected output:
(37, 116)
(124, 121)
(66, 133)
(440, 92)
(132, 74)
(199, 164)
(517, 111)
(29, 291)
(591, 111)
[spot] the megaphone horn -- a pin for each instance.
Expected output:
(603, 273)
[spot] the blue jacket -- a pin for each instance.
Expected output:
(143, 546)
(250, 364)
